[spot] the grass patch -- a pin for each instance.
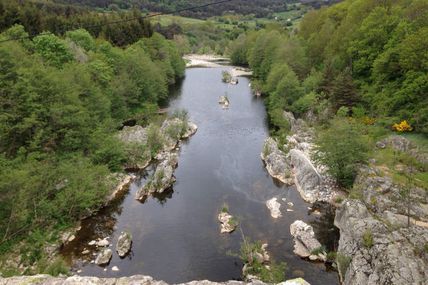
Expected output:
(343, 262)
(368, 239)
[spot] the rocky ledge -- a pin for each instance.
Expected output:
(305, 243)
(162, 179)
(292, 163)
(136, 279)
(383, 235)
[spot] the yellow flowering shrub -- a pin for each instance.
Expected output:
(404, 126)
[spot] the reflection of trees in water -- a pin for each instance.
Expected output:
(325, 230)
(103, 223)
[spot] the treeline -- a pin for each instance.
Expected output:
(62, 100)
(260, 8)
(368, 56)
(38, 17)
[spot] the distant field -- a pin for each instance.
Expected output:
(165, 20)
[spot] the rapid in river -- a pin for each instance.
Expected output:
(176, 236)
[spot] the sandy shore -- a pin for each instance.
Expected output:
(210, 60)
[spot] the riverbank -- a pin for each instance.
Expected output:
(213, 61)
(382, 220)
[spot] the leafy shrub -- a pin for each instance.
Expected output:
(341, 147)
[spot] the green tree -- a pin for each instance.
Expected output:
(342, 148)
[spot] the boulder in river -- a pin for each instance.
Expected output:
(273, 207)
(305, 243)
(104, 257)
(227, 222)
(224, 101)
(162, 179)
(123, 245)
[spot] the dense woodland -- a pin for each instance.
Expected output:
(62, 100)
(365, 60)
(38, 17)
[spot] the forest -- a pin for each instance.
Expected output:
(38, 17)
(363, 60)
(261, 8)
(62, 100)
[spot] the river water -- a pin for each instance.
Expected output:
(176, 236)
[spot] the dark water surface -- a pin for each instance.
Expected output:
(176, 237)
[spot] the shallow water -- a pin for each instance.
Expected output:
(176, 236)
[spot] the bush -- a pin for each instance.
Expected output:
(341, 147)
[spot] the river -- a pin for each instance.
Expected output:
(176, 236)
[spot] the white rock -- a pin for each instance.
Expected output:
(115, 268)
(273, 207)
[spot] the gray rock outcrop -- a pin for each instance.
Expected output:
(276, 162)
(43, 279)
(296, 166)
(402, 144)
(123, 245)
(373, 252)
(162, 179)
(305, 243)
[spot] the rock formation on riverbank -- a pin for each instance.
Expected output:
(292, 163)
(43, 279)
(377, 244)
(162, 179)
(305, 243)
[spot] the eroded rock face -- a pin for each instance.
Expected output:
(43, 279)
(305, 242)
(123, 245)
(376, 252)
(273, 207)
(104, 257)
(162, 179)
(297, 166)
(308, 180)
(276, 162)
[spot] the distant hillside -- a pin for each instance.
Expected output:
(261, 8)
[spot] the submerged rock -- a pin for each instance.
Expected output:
(227, 222)
(162, 179)
(273, 207)
(104, 257)
(305, 243)
(123, 245)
